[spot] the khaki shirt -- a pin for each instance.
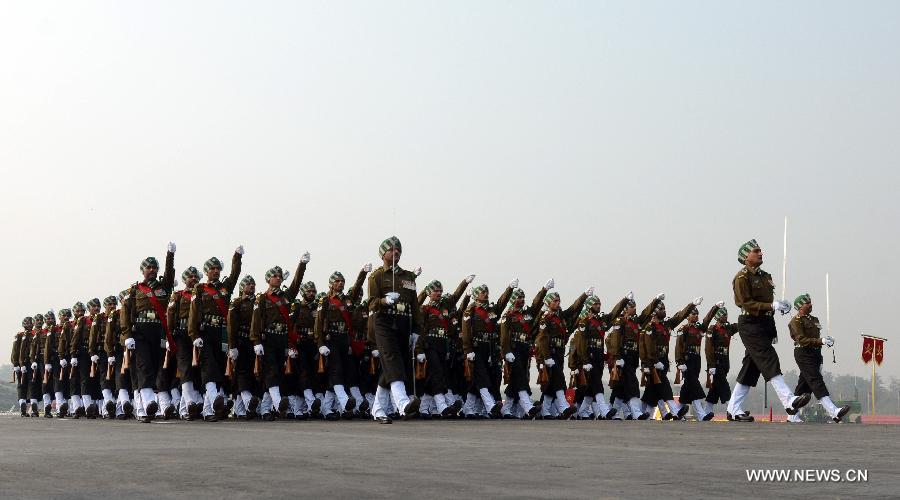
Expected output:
(136, 302)
(179, 310)
(481, 319)
(113, 335)
(718, 342)
(806, 331)
(553, 328)
(240, 316)
(382, 281)
(754, 291)
(24, 354)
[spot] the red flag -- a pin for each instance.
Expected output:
(879, 350)
(868, 349)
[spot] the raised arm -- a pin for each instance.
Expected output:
(571, 314)
(460, 290)
(708, 318)
(357, 292)
(231, 280)
(294, 289)
(504, 300)
(168, 281)
(676, 320)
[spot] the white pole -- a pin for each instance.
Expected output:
(827, 306)
(784, 262)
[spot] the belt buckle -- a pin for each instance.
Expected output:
(150, 315)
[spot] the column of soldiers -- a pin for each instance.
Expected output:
(216, 349)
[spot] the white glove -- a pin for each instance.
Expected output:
(167, 346)
(829, 341)
(470, 356)
(683, 368)
(375, 353)
(661, 296)
(658, 365)
(304, 258)
(620, 362)
(15, 369)
(470, 278)
(62, 363)
(510, 357)
(233, 354)
(549, 363)
(48, 367)
(34, 366)
(258, 349)
(198, 342)
(74, 361)
(417, 271)
(111, 360)
(367, 268)
(645, 370)
(629, 295)
(324, 350)
(129, 343)
(781, 306)
(589, 292)
(588, 367)
(549, 284)
(420, 358)
(712, 371)
(239, 250)
(285, 275)
(720, 303)
(391, 297)
(512, 284)
(95, 358)
(292, 353)
(575, 371)
(698, 301)
(171, 247)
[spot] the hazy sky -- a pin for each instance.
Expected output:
(630, 145)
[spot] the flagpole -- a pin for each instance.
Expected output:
(784, 262)
(873, 384)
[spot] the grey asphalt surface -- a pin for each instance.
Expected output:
(50, 458)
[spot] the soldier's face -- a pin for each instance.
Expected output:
(249, 289)
(806, 308)
(596, 307)
(78, 313)
(337, 286)
(190, 281)
(520, 302)
(309, 295)
(482, 297)
(722, 320)
(28, 324)
(213, 273)
(392, 256)
(436, 294)
(693, 318)
(150, 272)
(95, 310)
(661, 314)
(630, 310)
(275, 281)
(553, 305)
(110, 308)
(755, 257)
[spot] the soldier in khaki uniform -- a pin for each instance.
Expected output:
(588, 356)
(688, 343)
(28, 358)
(240, 350)
(480, 332)
(718, 362)
(144, 325)
(432, 346)
(516, 342)
(395, 316)
(273, 334)
(208, 333)
(754, 294)
(655, 337)
(362, 349)
(623, 343)
(309, 383)
(333, 328)
(114, 345)
(190, 404)
(806, 332)
(82, 385)
(20, 369)
(553, 332)
(51, 351)
(96, 348)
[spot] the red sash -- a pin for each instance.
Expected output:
(434, 311)
(336, 302)
(161, 312)
(220, 302)
(489, 325)
(185, 294)
(597, 324)
(286, 316)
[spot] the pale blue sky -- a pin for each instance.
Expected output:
(626, 146)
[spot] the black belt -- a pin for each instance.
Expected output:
(521, 337)
(214, 321)
(693, 349)
(557, 342)
(437, 333)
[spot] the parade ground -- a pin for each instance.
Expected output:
(451, 459)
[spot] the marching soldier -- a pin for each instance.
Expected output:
(357, 337)
(144, 324)
(309, 382)
(550, 345)
(479, 328)
(31, 355)
(177, 315)
(45, 350)
(516, 341)
(69, 376)
(208, 333)
(623, 342)
(82, 383)
(240, 349)
(273, 333)
(432, 346)
(333, 328)
(114, 345)
(806, 330)
(96, 348)
(687, 360)
(754, 293)
(395, 317)
(718, 343)
(655, 358)
(588, 357)
(20, 369)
